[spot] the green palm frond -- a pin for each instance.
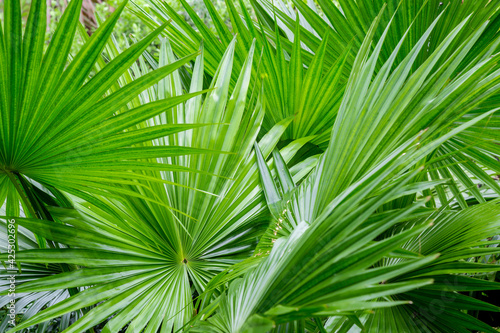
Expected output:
(57, 126)
(346, 174)
(292, 43)
(314, 166)
(290, 283)
(168, 242)
(28, 304)
(461, 239)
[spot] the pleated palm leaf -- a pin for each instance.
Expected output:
(19, 238)
(347, 23)
(381, 110)
(307, 57)
(474, 25)
(274, 292)
(57, 126)
(148, 256)
(359, 238)
(290, 91)
(28, 304)
(461, 239)
(291, 285)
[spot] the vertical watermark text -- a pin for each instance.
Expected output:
(11, 268)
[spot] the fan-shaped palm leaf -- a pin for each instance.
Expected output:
(57, 126)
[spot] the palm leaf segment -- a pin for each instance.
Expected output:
(274, 288)
(305, 67)
(147, 256)
(57, 125)
(309, 52)
(337, 203)
(28, 304)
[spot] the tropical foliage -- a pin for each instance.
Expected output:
(296, 166)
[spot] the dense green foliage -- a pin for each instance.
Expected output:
(260, 166)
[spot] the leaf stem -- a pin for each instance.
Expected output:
(14, 178)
